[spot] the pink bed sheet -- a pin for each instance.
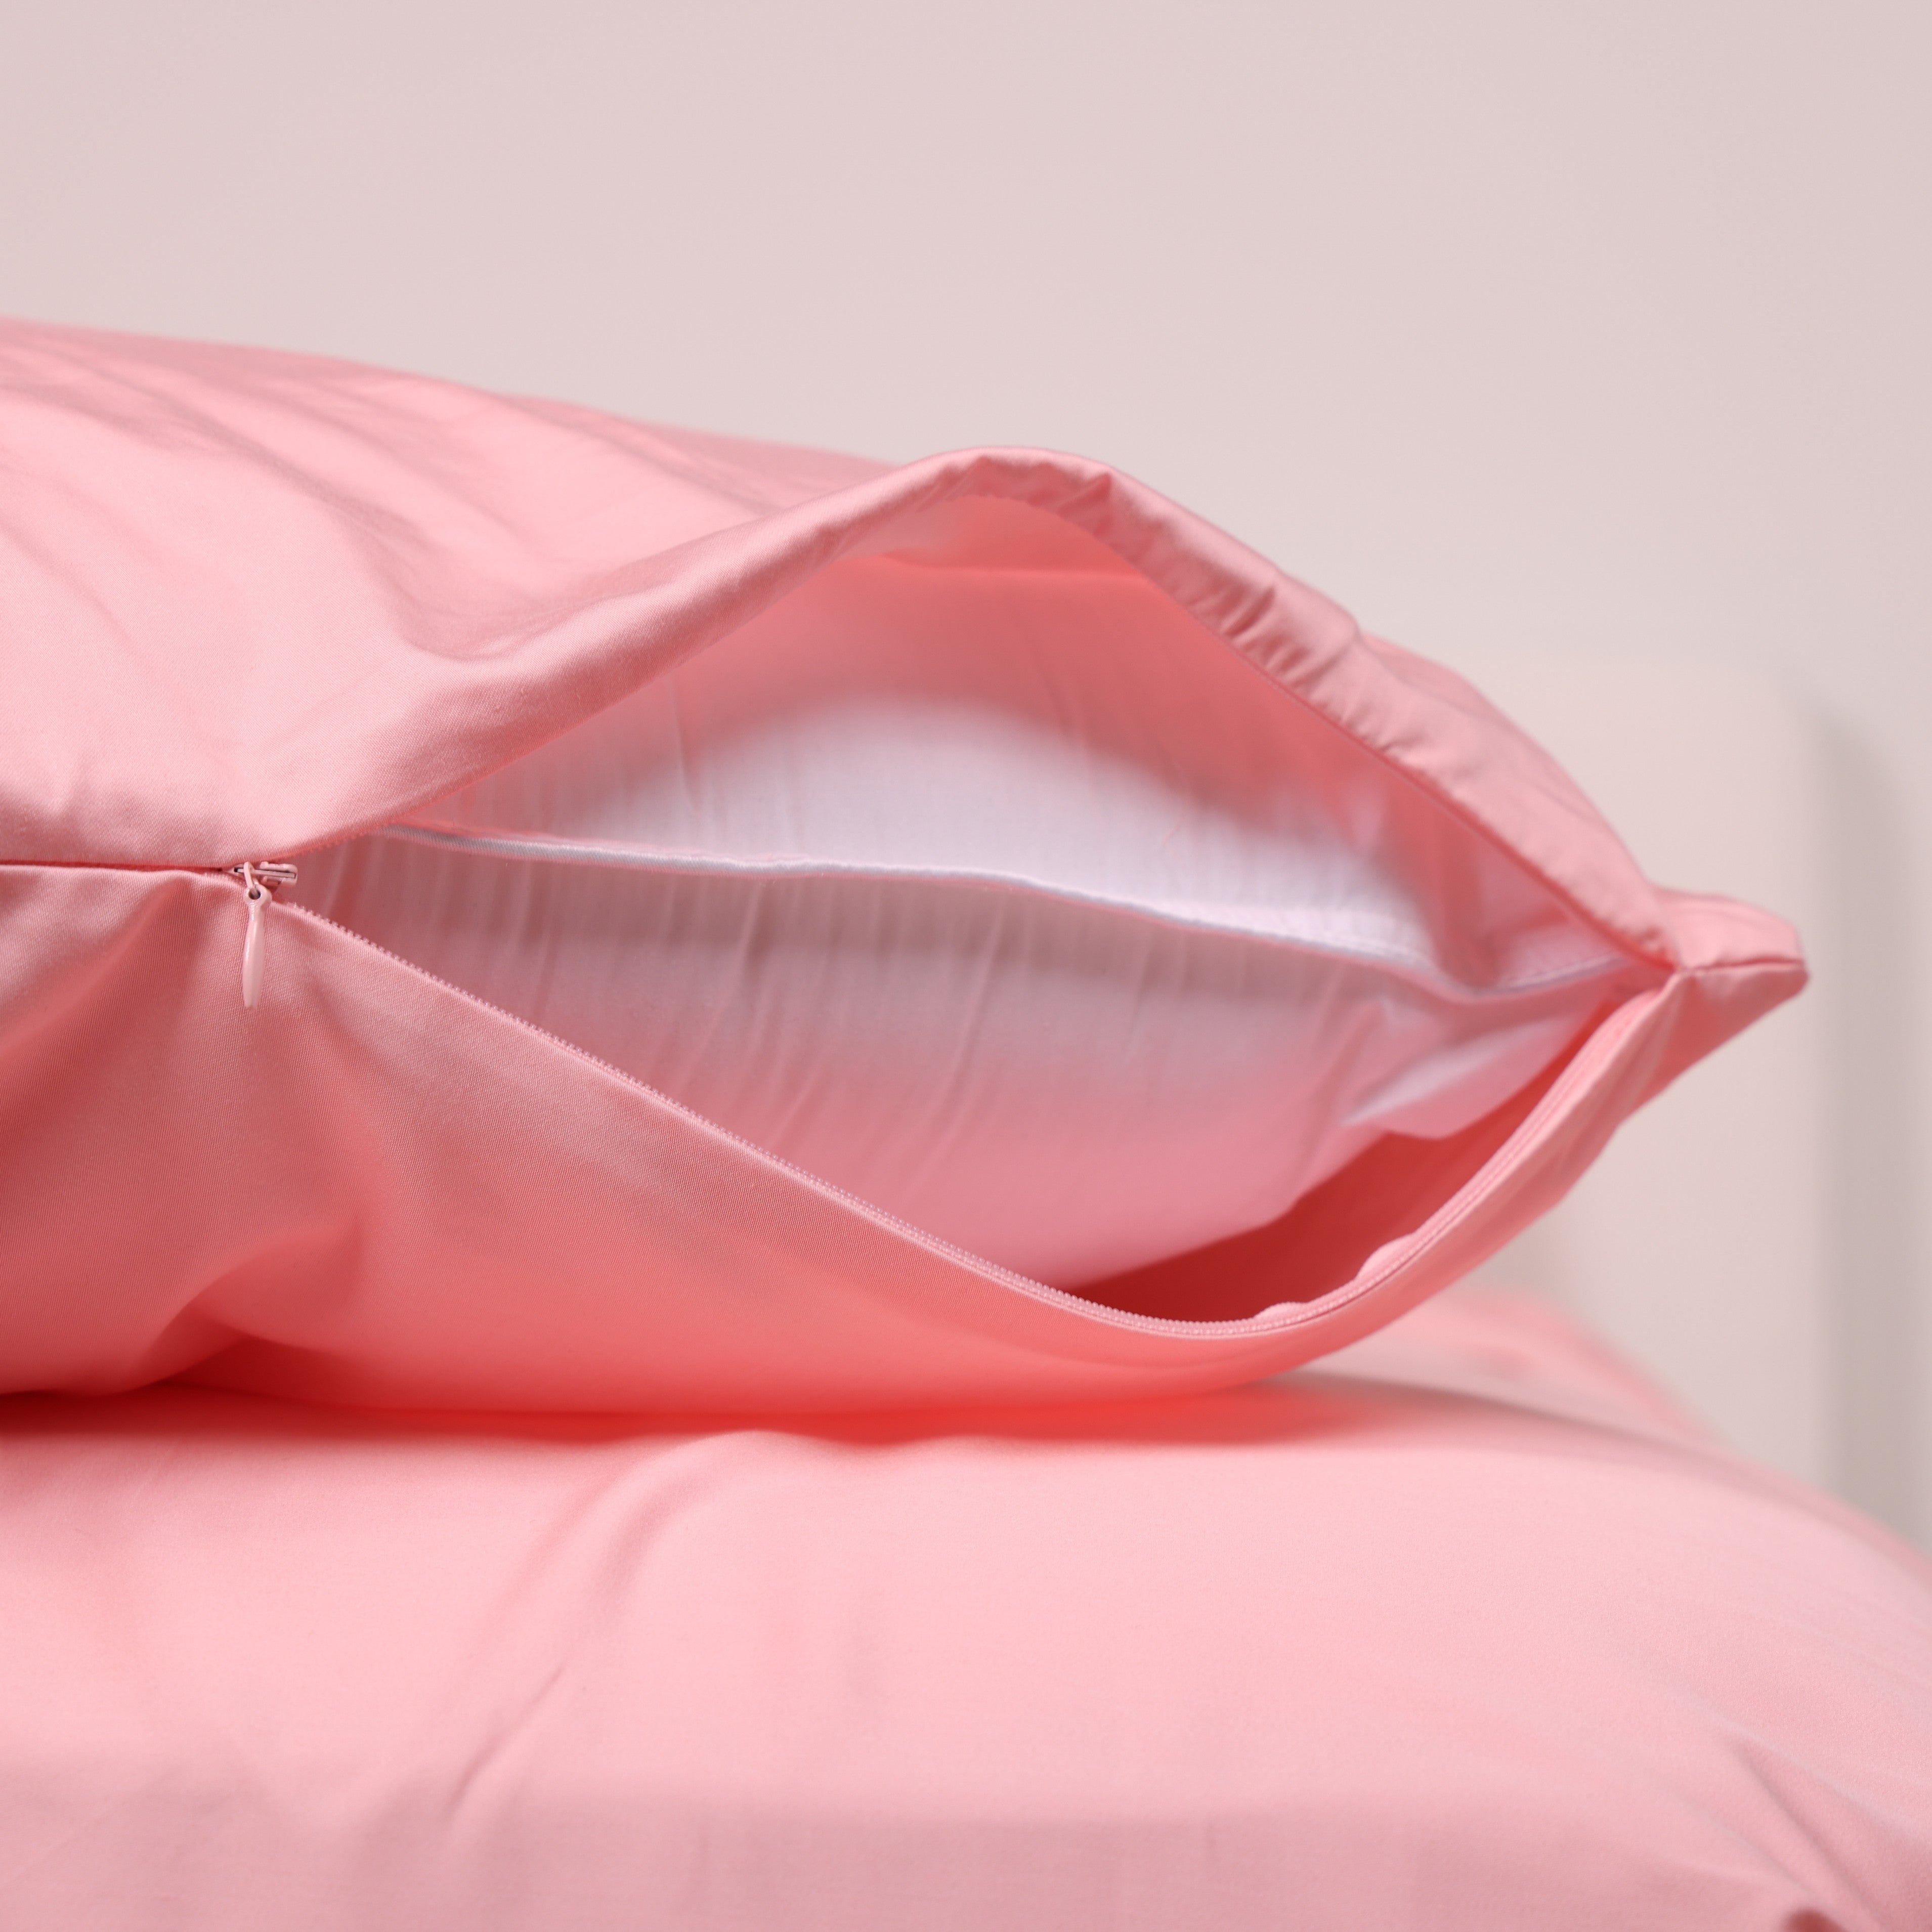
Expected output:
(1467, 1628)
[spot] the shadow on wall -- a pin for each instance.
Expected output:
(1880, 1347)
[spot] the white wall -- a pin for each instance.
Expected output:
(1519, 327)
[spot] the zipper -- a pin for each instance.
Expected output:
(259, 877)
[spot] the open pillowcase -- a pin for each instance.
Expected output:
(766, 931)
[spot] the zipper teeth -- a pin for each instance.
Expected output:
(1038, 1291)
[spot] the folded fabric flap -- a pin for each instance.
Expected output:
(1741, 963)
(357, 592)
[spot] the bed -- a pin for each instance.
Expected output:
(492, 1446)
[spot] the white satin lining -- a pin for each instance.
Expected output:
(1010, 901)
(1290, 925)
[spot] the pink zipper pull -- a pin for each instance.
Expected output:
(258, 881)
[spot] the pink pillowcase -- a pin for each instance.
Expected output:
(766, 931)
(1460, 1632)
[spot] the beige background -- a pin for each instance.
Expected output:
(1524, 329)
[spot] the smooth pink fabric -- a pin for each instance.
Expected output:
(253, 606)
(1465, 1630)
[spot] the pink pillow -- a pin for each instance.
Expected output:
(1459, 1633)
(508, 907)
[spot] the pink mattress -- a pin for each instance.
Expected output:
(1466, 1629)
